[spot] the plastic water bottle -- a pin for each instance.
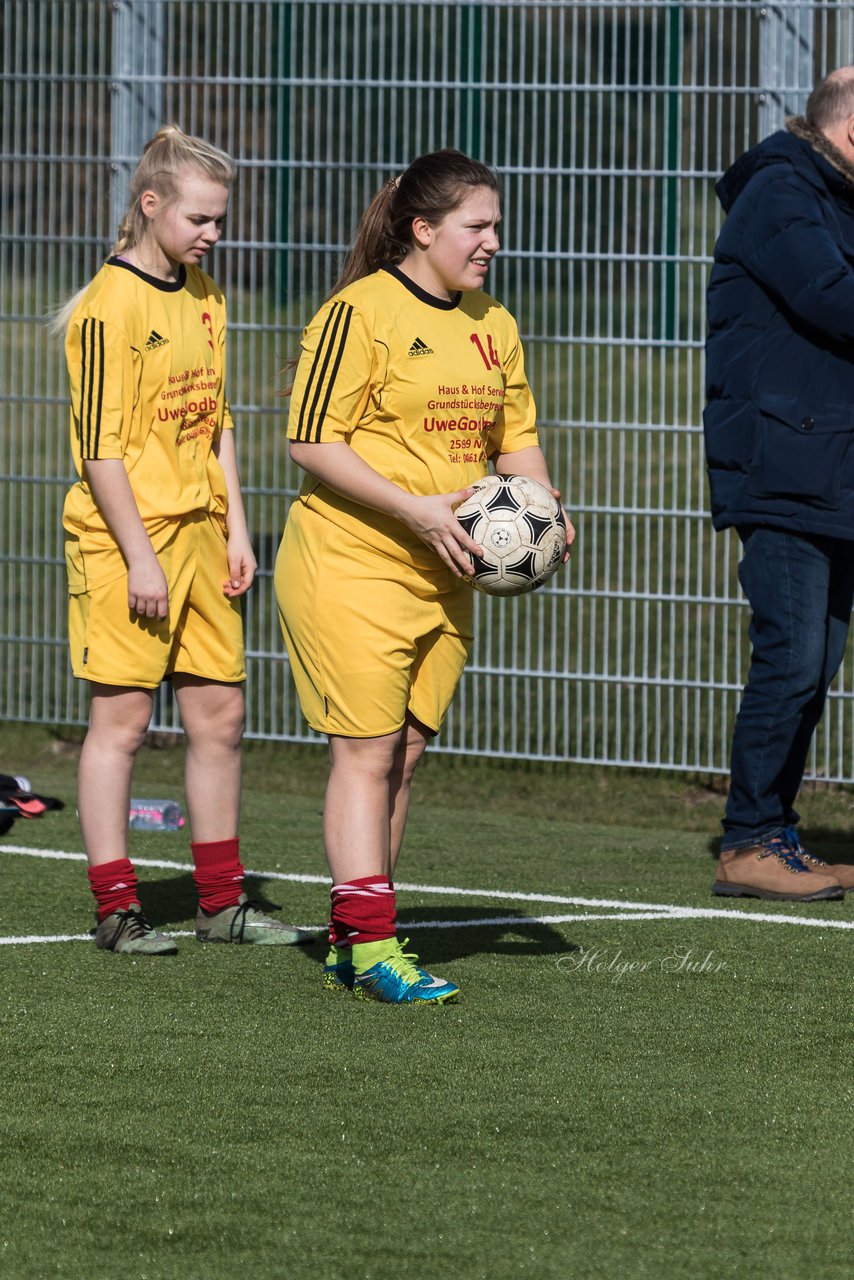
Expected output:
(156, 815)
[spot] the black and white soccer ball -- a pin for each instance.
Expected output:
(521, 528)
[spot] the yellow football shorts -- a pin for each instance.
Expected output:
(368, 638)
(202, 634)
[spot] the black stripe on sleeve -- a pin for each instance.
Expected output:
(81, 407)
(333, 372)
(330, 349)
(313, 371)
(91, 386)
(100, 405)
(87, 421)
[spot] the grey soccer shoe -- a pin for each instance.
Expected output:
(128, 932)
(245, 923)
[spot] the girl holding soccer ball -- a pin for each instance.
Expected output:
(411, 379)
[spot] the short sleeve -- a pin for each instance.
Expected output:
(516, 425)
(100, 371)
(334, 375)
(227, 423)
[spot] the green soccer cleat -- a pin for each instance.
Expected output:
(338, 972)
(129, 933)
(394, 978)
(245, 924)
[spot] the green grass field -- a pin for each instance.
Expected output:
(614, 1096)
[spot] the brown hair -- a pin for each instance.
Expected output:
(431, 188)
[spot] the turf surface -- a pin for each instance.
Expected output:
(611, 1098)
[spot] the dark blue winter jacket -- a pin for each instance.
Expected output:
(779, 419)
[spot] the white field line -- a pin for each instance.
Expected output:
(409, 926)
(616, 909)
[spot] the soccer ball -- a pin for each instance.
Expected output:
(521, 528)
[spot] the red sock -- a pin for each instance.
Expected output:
(338, 936)
(363, 910)
(218, 873)
(114, 886)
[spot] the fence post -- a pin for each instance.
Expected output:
(670, 193)
(471, 43)
(138, 60)
(786, 40)
(283, 41)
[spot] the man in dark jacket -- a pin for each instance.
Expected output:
(779, 429)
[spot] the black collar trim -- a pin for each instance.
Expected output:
(167, 286)
(441, 304)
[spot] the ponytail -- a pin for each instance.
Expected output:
(374, 243)
(164, 160)
(431, 188)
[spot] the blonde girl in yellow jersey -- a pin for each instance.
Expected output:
(411, 380)
(157, 547)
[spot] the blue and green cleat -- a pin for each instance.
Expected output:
(338, 972)
(394, 978)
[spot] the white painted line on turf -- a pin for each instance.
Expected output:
(43, 937)
(636, 910)
(87, 937)
(65, 855)
(405, 925)
(674, 913)
(409, 925)
(515, 922)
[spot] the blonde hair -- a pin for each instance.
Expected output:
(165, 159)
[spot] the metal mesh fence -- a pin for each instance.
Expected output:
(609, 124)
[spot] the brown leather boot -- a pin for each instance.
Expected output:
(773, 870)
(841, 872)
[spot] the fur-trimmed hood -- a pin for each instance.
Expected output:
(800, 146)
(799, 126)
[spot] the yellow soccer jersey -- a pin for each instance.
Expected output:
(146, 362)
(424, 390)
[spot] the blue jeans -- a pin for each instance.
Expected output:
(800, 588)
